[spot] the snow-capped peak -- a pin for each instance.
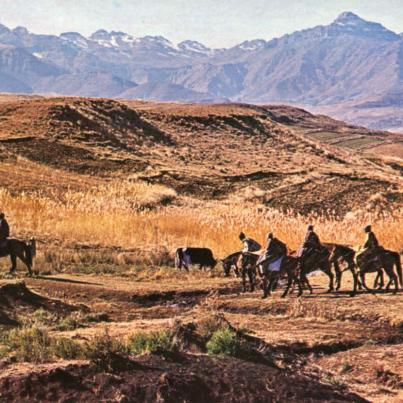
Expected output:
(194, 47)
(75, 38)
(251, 46)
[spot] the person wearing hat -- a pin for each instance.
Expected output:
(370, 247)
(4, 230)
(274, 250)
(311, 242)
(249, 244)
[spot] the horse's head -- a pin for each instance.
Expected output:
(226, 265)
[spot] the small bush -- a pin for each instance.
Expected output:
(151, 343)
(30, 344)
(33, 344)
(67, 349)
(224, 341)
(209, 325)
(71, 322)
(107, 353)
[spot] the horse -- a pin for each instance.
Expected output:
(346, 254)
(22, 250)
(229, 262)
(342, 253)
(387, 260)
(289, 266)
(318, 260)
(247, 262)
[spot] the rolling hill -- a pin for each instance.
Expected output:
(279, 156)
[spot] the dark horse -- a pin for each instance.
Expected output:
(345, 254)
(289, 266)
(247, 262)
(317, 260)
(231, 261)
(22, 250)
(387, 260)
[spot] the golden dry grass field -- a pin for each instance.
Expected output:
(110, 189)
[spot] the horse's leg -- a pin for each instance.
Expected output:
(13, 259)
(326, 269)
(26, 261)
(355, 280)
(362, 276)
(244, 279)
(290, 280)
(392, 278)
(381, 277)
(251, 279)
(338, 274)
(265, 286)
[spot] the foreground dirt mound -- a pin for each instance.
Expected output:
(189, 378)
(17, 300)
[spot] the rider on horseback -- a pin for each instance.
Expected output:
(249, 244)
(311, 243)
(4, 231)
(274, 250)
(370, 248)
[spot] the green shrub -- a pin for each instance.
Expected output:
(107, 353)
(30, 344)
(67, 349)
(207, 326)
(69, 323)
(151, 343)
(224, 341)
(33, 344)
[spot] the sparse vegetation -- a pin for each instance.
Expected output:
(224, 341)
(151, 342)
(106, 352)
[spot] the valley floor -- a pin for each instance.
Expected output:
(345, 348)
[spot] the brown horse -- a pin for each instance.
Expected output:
(318, 260)
(22, 250)
(247, 262)
(346, 254)
(229, 262)
(386, 260)
(289, 267)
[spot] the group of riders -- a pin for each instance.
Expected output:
(275, 249)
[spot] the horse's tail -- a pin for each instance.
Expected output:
(178, 258)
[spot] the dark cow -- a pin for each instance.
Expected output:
(201, 256)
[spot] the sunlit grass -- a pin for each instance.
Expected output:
(120, 215)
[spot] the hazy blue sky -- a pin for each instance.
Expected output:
(218, 23)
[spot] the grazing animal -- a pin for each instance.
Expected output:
(184, 257)
(229, 262)
(22, 250)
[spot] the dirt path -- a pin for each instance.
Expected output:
(351, 344)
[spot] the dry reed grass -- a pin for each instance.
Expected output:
(118, 215)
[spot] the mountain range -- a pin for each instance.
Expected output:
(352, 69)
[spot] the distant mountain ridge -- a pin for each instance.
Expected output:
(350, 62)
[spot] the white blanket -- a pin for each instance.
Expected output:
(276, 265)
